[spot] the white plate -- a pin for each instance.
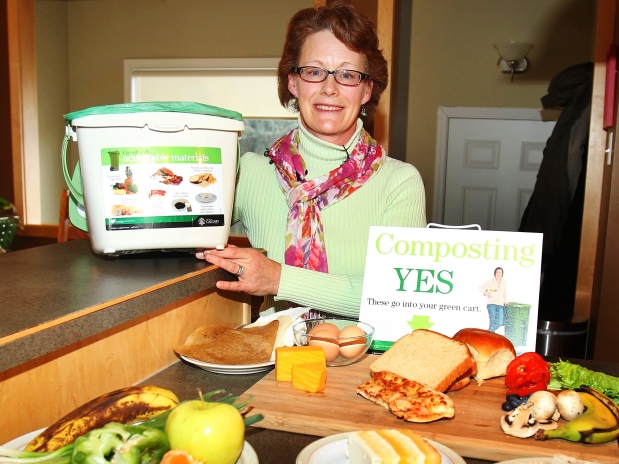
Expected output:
(332, 450)
(542, 460)
(206, 197)
(230, 369)
(21, 442)
(248, 455)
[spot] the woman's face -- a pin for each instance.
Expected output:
(498, 274)
(329, 110)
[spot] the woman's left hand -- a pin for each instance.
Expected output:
(260, 275)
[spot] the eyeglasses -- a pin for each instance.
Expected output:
(342, 76)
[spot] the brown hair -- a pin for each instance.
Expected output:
(351, 27)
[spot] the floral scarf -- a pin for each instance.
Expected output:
(305, 245)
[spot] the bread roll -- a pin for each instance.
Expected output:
(492, 352)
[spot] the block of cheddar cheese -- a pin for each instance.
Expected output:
(311, 377)
(288, 356)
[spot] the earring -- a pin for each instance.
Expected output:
(363, 113)
(295, 104)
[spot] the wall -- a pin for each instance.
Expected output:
(103, 33)
(81, 46)
(453, 62)
(53, 99)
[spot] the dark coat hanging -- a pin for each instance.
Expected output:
(555, 206)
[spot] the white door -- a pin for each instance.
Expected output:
(490, 170)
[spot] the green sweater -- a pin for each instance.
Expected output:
(393, 197)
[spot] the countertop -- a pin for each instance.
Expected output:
(56, 295)
(272, 447)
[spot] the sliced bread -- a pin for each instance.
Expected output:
(463, 381)
(427, 357)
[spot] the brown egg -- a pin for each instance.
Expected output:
(331, 328)
(327, 342)
(353, 346)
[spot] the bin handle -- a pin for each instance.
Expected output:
(433, 225)
(78, 195)
(162, 128)
(238, 156)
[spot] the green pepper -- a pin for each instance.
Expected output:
(116, 443)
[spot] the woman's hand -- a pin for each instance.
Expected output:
(260, 274)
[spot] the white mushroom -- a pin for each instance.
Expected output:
(549, 424)
(543, 405)
(519, 423)
(570, 404)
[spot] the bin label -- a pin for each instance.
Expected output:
(448, 279)
(162, 187)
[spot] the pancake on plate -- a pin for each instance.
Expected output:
(222, 345)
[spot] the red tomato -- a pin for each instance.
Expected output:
(527, 389)
(526, 374)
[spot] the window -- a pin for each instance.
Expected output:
(245, 85)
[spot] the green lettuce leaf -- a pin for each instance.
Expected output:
(567, 376)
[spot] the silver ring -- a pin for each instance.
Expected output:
(240, 271)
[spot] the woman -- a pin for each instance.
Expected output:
(311, 199)
(496, 292)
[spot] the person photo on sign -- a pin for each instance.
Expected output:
(311, 198)
(495, 290)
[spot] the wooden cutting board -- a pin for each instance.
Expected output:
(474, 432)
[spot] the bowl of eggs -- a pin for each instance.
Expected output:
(344, 340)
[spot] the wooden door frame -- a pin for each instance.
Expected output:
(596, 287)
(602, 342)
(384, 31)
(23, 107)
(598, 179)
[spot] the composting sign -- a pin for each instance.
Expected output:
(448, 279)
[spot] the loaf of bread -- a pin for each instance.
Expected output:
(492, 352)
(427, 357)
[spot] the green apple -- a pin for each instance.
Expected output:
(213, 433)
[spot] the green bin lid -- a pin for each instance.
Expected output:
(152, 107)
(513, 304)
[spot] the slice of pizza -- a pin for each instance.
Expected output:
(407, 399)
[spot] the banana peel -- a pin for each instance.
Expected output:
(126, 405)
(598, 424)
